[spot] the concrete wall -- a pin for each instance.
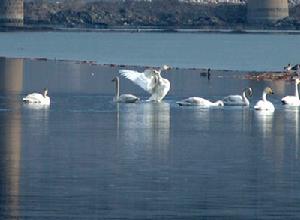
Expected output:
(265, 11)
(11, 12)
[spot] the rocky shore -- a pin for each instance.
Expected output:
(168, 15)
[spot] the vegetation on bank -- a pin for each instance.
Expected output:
(158, 13)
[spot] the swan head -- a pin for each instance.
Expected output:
(45, 92)
(219, 103)
(248, 92)
(115, 79)
(166, 67)
(268, 91)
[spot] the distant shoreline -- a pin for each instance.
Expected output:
(148, 30)
(219, 73)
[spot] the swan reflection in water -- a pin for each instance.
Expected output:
(143, 125)
(10, 164)
(292, 126)
(37, 107)
(297, 131)
(272, 131)
(265, 120)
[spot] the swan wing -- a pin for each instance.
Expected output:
(264, 105)
(192, 101)
(259, 105)
(128, 98)
(290, 100)
(161, 90)
(37, 98)
(145, 80)
(233, 98)
(33, 97)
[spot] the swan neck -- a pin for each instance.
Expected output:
(117, 89)
(296, 91)
(158, 73)
(264, 96)
(244, 95)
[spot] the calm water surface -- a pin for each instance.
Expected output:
(88, 158)
(215, 50)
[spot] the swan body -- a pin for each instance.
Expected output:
(264, 104)
(198, 101)
(151, 81)
(292, 100)
(37, 98)
(238, 100)
(124, 98)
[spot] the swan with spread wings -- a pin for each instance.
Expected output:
(151, 81)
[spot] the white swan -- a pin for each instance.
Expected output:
(37, 98)
(125, 98)
(151, 81)
(292, 100)
(198, 101)
(237, 100)
(264, 104)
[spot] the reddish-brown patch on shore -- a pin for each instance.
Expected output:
(271, 76)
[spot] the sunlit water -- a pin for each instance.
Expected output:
(215, 50)
(86, 157)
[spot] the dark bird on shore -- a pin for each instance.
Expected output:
(207, 74)
(287, 68)
(296, 67)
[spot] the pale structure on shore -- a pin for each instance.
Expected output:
(266, 11)
(11, 75)
(11, 12)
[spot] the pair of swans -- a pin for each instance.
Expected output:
(150, 80)
(37, 98)
(232, 100)
(263, 104)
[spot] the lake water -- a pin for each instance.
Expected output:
(86, 157)
(203, 50)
